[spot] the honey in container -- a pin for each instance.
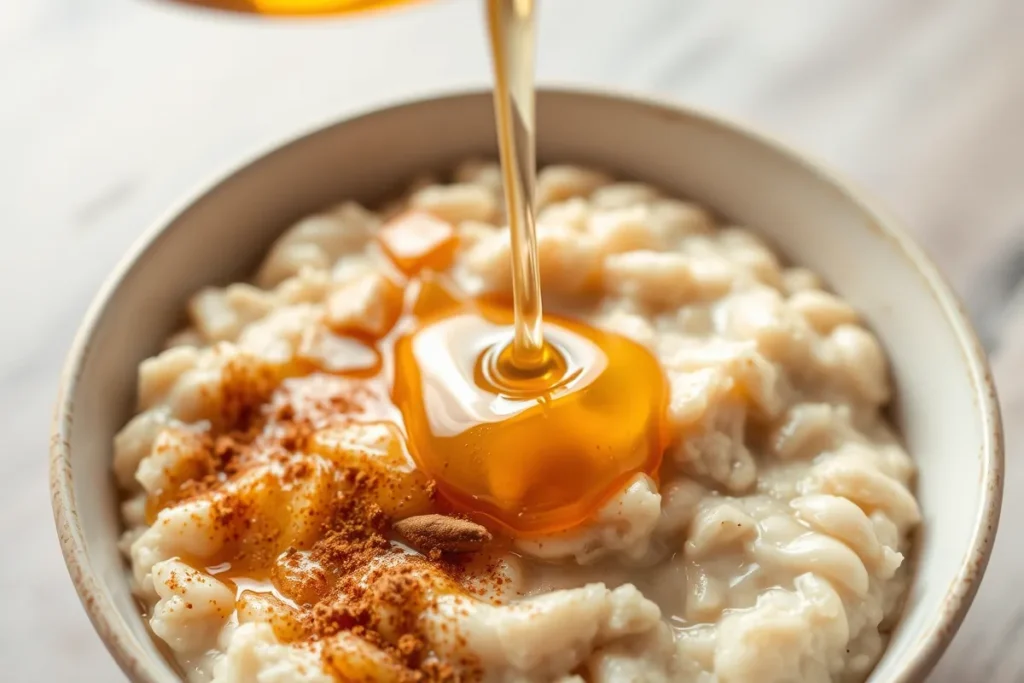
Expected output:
(298, 7)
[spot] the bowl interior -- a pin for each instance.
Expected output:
(944, 405)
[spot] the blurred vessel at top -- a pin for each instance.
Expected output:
(298, 7)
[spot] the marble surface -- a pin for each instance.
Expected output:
(110, 110)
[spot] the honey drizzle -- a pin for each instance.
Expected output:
(511, 28)
(625, 435)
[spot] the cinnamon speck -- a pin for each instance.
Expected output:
(330, 556)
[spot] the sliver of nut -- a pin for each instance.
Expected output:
(428, 533)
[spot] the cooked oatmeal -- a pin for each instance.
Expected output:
(279, 530)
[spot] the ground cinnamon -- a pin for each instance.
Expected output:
(356, 596)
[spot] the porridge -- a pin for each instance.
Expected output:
(280, 528)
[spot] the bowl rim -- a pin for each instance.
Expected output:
(924, 654)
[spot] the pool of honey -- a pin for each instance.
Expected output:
(527, 460)
(533, 454)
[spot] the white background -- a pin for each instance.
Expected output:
(110, 110)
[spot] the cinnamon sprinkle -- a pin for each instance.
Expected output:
(358, 597)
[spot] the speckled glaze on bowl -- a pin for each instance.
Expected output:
(945, 402)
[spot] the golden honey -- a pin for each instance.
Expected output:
(530, 420)
(535, 452)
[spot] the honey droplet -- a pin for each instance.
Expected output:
(535, 452)
(320, 349)
(368, 307)
(417, 240)
(434, 297)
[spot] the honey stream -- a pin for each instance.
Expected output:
(530, 421)
(511, 27)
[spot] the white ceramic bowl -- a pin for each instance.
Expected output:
(945, 403)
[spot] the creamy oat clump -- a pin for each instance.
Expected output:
(277, 528)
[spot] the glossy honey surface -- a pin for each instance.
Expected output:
(537, 452)
(530, 420)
